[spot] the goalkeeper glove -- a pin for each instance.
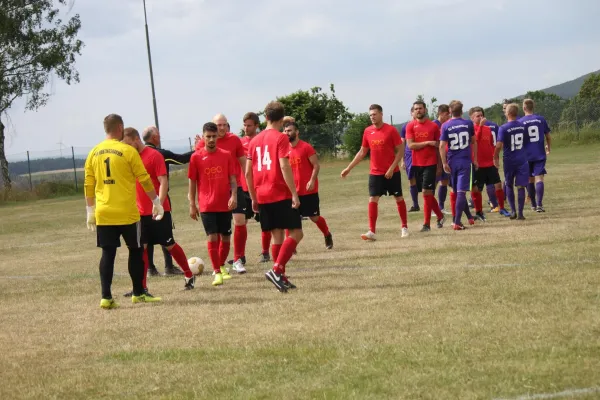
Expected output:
(157, 209)
(91, 217)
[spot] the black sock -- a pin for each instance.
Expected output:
(107, 267)
(151, 256)
(136, 269)
(168, 257)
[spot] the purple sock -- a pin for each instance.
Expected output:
(461, 205)
(442, 193)
(504, 186)
(521, 196)
(510, 196)
(414, 194)
(531, 193)
(539, 191)
(491, 191)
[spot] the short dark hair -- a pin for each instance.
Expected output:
(131, 133)
(443, 108)
(456, 108)
(209, 127)
(375, 107)
(473, 110)
(253, 116)
(420, 103)
(111, 122)
(274, 111)
(295, 125)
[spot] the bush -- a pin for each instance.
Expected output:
(43, 190)
(354, 133)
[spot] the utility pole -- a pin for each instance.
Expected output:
(150, 65)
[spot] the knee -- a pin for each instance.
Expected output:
(374, 199)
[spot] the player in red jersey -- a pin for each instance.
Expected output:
(387, 149)
(273, 192)
(233, 144)
(305, 165)
(487, 174)
(423, 138)
(213, 180)
(155, 232)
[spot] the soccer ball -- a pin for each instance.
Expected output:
(196, 265)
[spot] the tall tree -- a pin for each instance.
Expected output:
(35, 44)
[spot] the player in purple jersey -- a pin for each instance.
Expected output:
(443, 116)
(491, 190)
(537, 129)
(415, 187)
(458, 149)
(512, 141)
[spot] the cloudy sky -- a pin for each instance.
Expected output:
(233, 56)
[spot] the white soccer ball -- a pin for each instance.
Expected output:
(196, 265)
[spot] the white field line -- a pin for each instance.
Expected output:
(566, 393)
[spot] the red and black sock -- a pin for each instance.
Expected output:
(223, 251)
(322, 225)
(181, 260)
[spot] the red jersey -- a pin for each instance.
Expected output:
(155, 165)
(382, 142)
(301, 166)
(423, 132)
(245, 142)
(232, 144)
(264, 151)
(212, 171)
(485, 146)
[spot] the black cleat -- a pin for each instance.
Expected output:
(540, 209)
(513, 216)
(521, 218)
(152, 271)
(414, 209)
(287, 282)
(440, 222)
(189, 283)
(172, 271)
(277, 280)
(425, 228)
(129, 294)
(264, 258)
(329, 241)
(480, 216)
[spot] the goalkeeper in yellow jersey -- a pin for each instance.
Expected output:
(111, 171)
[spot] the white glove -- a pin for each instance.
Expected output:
(157, 209)
(91, 217)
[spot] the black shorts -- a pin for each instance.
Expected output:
(157, 232)
(379, 185)
(242, 204)
(249, 211)
(279, 215)
(309, 205)
(486, 176)
(217, 222)
(110, 235)
(426, 176)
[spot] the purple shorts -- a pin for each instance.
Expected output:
(537, 168)
(443, 177)
(461, 176)
(408, 163)
(517, 175)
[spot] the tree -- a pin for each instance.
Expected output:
(584, 108)
(35, 44)
(354, 133)
(590, 90)
(431, 106)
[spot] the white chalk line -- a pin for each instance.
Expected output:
(571, 392)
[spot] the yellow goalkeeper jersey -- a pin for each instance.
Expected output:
(111, 170)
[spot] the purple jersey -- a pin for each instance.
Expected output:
(437, 122)
(537, 128)
(514, 136)
(407, 151)
(494, 128)
(458, 133)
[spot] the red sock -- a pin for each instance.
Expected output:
(223, 251)
(146, 265)
(402, 211)
(266, 242)
(453, 202)
(240, 235)
(500, 196)
(478, 201)
(322, 225)
(275, 250)
(287, 233)
(181, 260)
(372, 216)
(213, 252)
(427, 209)
(435, 207)
(287, 251)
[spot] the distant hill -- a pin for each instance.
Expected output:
(567, 90)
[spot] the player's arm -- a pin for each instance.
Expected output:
(547, 136)
(474, 145)
(193, 190)
(233, 185)
(288, 176)
(399, 154)
(443, 150)
(176, 159)
(250, 183)
(497, 151)
(139, 171)
(314, 161)
(89, 189)
(362, 153)
(163, 189)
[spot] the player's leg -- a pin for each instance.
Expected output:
(413, 188)
(393, 186)
(164, 235)
(224, 225)
(531, 186)
(265, 239)
(430, 205)
(479, 181)
(462, 182)
(509, 181)
(493, 199)
(107, 238)
(521, 181)
(376, 190)
(539, 171)
(240, 233)
(290, 219)
(311, 206)
(170, 268)
(443, 192)
(496, 183)
(152, 270)
(132, 235)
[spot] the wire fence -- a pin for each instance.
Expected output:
(570, 120)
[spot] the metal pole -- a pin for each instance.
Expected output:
(74, 167)
(29, 171)
(391, 120)
(190, 139)
(150, 65)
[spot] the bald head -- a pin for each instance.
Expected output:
(222, 125)
(151, 135)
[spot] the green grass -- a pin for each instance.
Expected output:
(498, 311)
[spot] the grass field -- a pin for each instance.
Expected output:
(504, 310)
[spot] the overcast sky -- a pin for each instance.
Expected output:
(233, 56)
